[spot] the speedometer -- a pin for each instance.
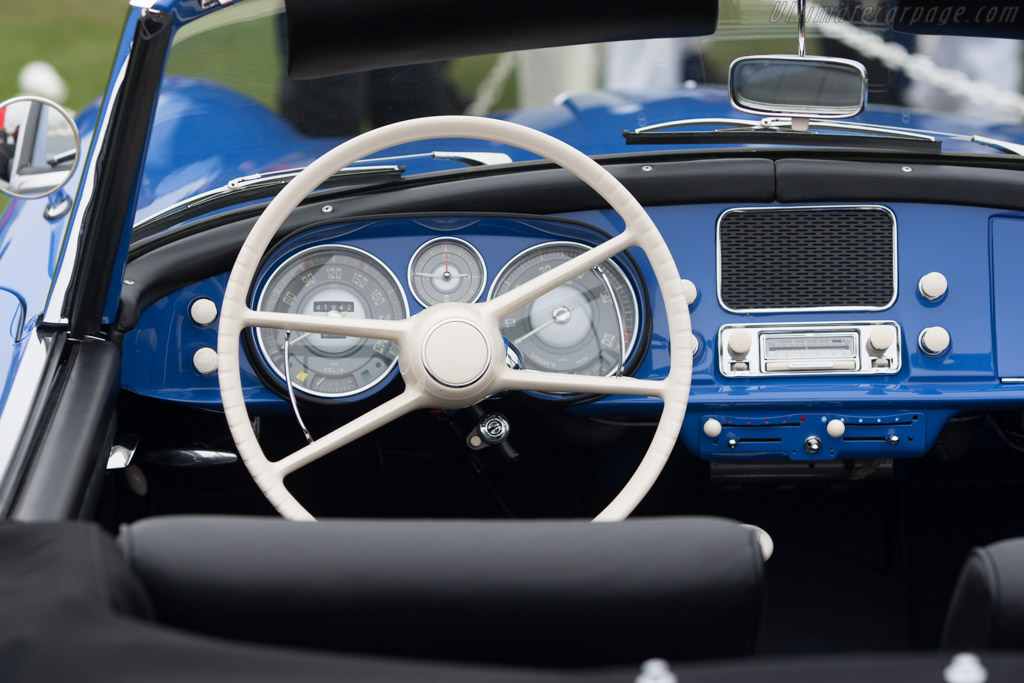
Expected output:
(339, 281)
(586, 326)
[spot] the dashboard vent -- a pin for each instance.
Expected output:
(831, 258)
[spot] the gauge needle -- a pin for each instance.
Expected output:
(330, 314)
(443, 276)
(559, 315)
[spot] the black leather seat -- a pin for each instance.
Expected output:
(987, 611)
(545, 592)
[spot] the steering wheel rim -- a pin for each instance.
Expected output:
(435, 376)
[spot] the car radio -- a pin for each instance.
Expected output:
(861, 348)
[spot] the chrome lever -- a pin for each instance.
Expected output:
(288, 383)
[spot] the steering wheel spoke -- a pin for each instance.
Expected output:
(542, 284)
(560, 382)
(366, 328)
(389, 411)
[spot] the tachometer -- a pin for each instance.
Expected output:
(586, 326)
(331, 280)
(446, 269)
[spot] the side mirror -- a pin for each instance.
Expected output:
(805, 87)
(39, 147)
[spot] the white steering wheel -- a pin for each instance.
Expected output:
(453, 355)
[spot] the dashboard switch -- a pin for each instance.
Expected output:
(881, 339)
(812, 445)
(205, 361)
(203, 311)
(690, 290)
(739, 344)
(932, 286)
(835, 428)
(712, 428)
(934, 340)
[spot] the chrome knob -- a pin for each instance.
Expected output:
(934, 340)
(836, 428)
(881, 339)
(812, 445)
(933, 286)
(739, 344)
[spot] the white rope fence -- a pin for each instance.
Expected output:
(916, 66)
(920, 67)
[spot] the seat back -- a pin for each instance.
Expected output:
(987, 610)
(538, 592)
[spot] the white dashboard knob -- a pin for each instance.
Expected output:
(203, 311)
(205, 360)
(934, 340)
(835, 428)
(882, 337)
(712, 428)
(694, 343)
(932, 286)
(739, 343)
(690, 290)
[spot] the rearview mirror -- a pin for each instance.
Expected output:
(806, 87)
(39, 146)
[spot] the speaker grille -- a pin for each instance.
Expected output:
(808, 258)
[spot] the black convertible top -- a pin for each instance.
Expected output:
(327, 37)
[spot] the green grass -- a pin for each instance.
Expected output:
(78, 37)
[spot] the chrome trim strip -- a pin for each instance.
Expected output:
(265, 357)
(256, 180)
(686, 123)
(53, 310)
(21, 398)
(811, 327)
(426, 245)
(718, 258)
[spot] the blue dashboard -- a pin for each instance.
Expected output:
(894, 414)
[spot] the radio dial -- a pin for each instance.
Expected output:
(739, 344)
(881, 339)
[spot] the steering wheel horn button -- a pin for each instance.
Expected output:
(456, 353)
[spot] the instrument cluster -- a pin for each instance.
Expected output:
(588, 325)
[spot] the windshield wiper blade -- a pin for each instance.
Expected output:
(468, 158)
(284, 177)
(780, 131)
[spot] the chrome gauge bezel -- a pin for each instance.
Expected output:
(630, 285)
(446, 238)
(269, 276)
